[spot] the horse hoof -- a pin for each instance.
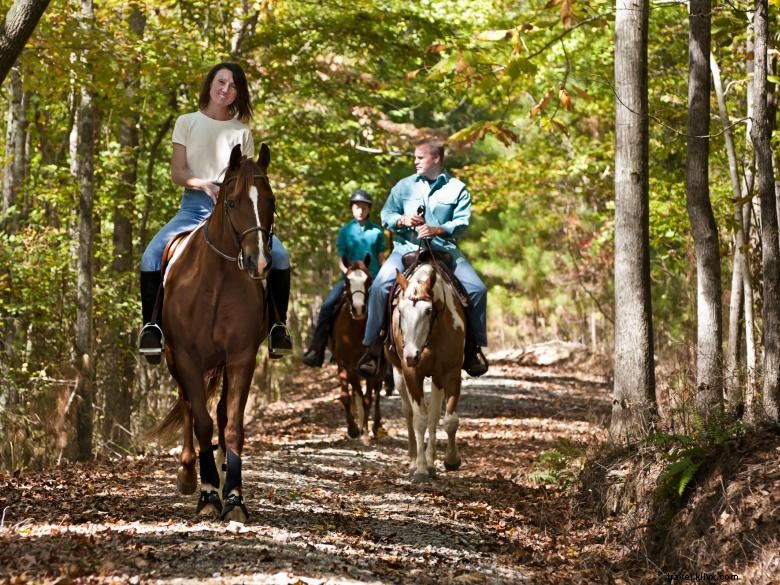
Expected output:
(452, 466)
(186, 482)
(209, 504)
(353, 432)
(421, 477)
(365, 440)
(234, 510)
(432, 472)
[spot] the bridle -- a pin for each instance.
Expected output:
(238, 237)
(350, 294)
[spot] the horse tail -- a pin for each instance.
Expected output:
(172, 421)
(213, 378)
(175, 417)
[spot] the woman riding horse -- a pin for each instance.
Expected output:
(202, 143)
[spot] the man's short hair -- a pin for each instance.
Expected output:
(433, 144)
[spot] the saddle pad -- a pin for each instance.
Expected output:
(174, 249)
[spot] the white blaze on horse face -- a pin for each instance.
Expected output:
(357, 285)
(254, 196)
(415, 325)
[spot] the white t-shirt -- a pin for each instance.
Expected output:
(209, 143)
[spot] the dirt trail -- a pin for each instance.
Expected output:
(328, 509)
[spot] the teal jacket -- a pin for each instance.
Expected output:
(447, 205)
(355, 241)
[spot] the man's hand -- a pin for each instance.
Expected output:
(429, 231)
(410, 221)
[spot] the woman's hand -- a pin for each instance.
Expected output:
(211, 190)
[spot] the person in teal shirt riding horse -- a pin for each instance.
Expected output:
(356, 240)
(430, 204)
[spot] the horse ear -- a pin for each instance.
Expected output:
(401, 279)
(264, 156)
(345, 261)
(367, 260)
(235, 157)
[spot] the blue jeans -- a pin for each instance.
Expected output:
(195, 207)
(380, 289)
(330, 302)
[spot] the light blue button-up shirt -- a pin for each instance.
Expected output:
(355, 241)
(447, 205)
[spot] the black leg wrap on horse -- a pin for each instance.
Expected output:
(233, 475)
(208, 468)
(207, 498)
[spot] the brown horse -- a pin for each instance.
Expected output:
(214, 318)
(427, 339)
(346, 346)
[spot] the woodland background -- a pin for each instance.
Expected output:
(524, 93)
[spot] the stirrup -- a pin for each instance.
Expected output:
(155, 329)
(277, 352)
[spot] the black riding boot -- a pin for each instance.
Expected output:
(315, 355)
(150, 339)
(474, 361)
(279, 340)
(372, 362)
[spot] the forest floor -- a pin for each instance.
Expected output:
(328, 509)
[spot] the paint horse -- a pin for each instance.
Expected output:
(346, 346)
(214, 318)
(427, 336)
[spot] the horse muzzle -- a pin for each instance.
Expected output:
(255, 264)
(412, 359)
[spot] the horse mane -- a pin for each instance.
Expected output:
(420, 284)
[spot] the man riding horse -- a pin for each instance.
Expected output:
(447, 210)
(358, 238)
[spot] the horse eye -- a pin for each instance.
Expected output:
(231, 203)
(429, 310)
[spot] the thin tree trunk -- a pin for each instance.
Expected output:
(709, 353)
(84, 350)
(119, 380)
(770, 247)
(15, 149)
(734, 395)
(633, 401)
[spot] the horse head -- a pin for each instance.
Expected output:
(358, 279)
(248, 204)
(416, 311)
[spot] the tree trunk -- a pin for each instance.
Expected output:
(770, 248)
(119, 381)
(739, 281)
(709, 353)
(15, 148)
(20, 22)
(84, 350)
(633, 401)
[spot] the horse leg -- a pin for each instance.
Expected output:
(376, 388)
(186, 478)
(451, 422)
(420, 423)
(221, 422)
(434, 412)
(353, 430)
(361, 401)
(238, 378)
(406, 410)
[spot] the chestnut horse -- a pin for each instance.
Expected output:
(427, 340)
(214, 318)
(346, 346)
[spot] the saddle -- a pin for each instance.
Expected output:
(444, 265)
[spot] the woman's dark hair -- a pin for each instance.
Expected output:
(241, 108)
